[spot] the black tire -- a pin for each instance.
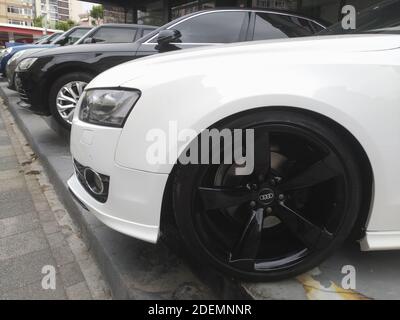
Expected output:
(207, 245)
(11, 83)
(56, 87)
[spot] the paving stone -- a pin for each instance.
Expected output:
(15, 184)
(9, 174)
(5, 141)
(7, 163)
(78, 291)
(15, 202)
(22, 243)
(50, 227)
(71, 274)
(63, 255)
(6, 151)
(46, 215)
(18, 224)
(36, 292)
(93, 278)
(56, 239)
(23, 270)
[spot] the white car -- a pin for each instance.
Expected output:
(325, 113)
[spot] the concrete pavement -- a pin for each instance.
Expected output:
(37, 235)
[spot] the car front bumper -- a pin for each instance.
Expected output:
(134, 199)
(30, 91)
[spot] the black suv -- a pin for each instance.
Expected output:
(52, 81)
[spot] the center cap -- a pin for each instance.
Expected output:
(266, 196)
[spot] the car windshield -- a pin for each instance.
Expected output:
(383, 17)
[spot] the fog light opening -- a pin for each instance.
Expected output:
(94, 181)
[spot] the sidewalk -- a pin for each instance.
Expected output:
(36, 231)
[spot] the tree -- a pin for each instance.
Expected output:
(97, 13)
(38, 22)
(65, 25)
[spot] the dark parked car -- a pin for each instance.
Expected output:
(67, 38)
(52, 81)
(106, 33)
(116, 33)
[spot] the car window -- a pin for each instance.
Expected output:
(76, 35)
(146, 31)
(277, 26)
(114, 35)
(217, 27)
(51, 38)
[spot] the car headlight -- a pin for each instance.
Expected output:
(26, 64)
(107, 107)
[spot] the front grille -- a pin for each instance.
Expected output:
(80, 173)
(20, 89)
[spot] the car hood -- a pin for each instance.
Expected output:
(33, 46)
(298, 50)
(29, 52)
(89, 48)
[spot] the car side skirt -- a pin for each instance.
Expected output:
(380, 240)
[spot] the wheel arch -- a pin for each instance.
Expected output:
(167, 216)
(61, 70)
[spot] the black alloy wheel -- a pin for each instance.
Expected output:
(299, 204)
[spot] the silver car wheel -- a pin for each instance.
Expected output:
(68, 97)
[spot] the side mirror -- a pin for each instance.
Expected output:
(168, 36)
(89, 40)
(61, 40)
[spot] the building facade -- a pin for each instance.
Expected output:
(17, 12)
(53, 10)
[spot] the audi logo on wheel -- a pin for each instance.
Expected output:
(267, 196)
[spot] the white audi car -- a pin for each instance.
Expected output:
(325, 113)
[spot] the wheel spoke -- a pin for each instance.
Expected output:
(66, 98)
(223, 197)
(262, 152)
(71, 115)
(70, 90)
(249, 241)
(64, 107)
(311, 235)
(318, 172)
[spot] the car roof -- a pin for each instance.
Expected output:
(127, 25)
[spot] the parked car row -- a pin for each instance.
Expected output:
(324, 113)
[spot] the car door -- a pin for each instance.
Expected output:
(204, 29)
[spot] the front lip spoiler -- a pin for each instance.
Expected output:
(77, 199)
